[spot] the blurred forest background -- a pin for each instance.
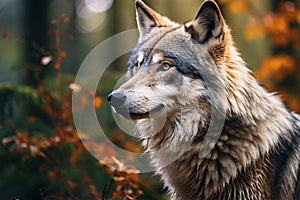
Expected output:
(43, 44)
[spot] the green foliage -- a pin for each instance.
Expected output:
(16, 95)
(42, 154)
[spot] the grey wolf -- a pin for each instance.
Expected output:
(256, 155)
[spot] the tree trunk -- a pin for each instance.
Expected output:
(36, 28)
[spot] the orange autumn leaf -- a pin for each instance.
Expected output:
(224, 1)
(52, 176)
(276, 23)
(97, 102)
(117, 194)
(32, 119)
(288, 9)
(64, 15)
(132, 147)
(291, 100)
(40, 88)
(120, 180)
(23, 137)
(298, 16)
(57, 65)
(47, 96)
(239, 6)
(49, 109)
(133, 177)
(76, 155)
(63, 54)
(277, 67)
(254, 30)
(42, 143)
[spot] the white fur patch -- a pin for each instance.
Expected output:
(157, 58)
(140, 57)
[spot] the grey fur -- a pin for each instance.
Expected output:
(257, 155)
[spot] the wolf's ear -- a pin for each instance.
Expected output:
(208, 22)
(147, 18)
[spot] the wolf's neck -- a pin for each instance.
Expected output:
(251, 131)
(254, 123)
(251, 104)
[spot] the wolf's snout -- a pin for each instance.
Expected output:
(116, 99)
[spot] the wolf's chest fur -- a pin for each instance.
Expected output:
(240, 166)
(237, 168)
(177, 76)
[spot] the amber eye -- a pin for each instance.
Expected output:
(166, 66)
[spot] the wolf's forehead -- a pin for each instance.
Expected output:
(155, 57)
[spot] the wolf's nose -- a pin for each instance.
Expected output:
(116, 99)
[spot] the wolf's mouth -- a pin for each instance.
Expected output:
(117, 101)
(155, 111)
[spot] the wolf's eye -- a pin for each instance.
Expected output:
(165, 66)
(137, 65)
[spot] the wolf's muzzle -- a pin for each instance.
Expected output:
(119, 103)
(116, 99)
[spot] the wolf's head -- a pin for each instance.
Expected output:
(169, 69)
